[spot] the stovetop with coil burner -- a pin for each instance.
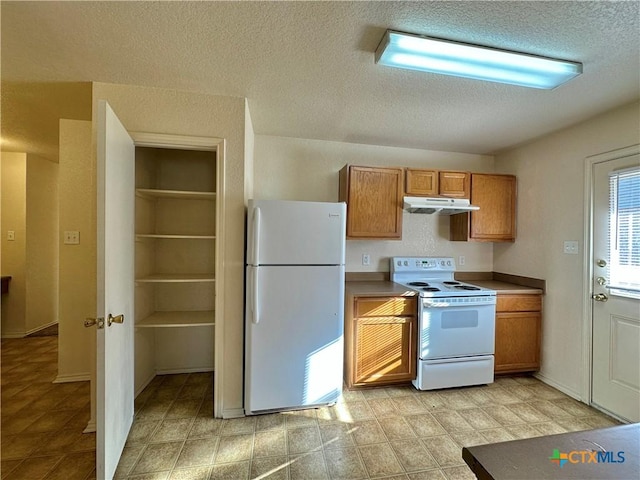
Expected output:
(432, 277)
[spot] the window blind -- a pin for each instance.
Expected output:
(624, 232)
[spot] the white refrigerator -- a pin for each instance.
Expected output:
(294, 316)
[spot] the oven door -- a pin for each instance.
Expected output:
(457, 327)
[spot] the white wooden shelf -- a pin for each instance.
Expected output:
(177, 278)
(143, 236)
(180, 194)
(178, 319)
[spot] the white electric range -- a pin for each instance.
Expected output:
(456, 323)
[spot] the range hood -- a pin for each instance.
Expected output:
(439, 205)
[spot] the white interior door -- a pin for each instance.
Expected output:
(115, 360)
(616, 286)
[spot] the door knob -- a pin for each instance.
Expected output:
(117, 319)
(90, 322)
(600, 297)
(601, 263)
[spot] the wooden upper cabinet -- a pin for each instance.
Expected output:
(421, 182)
(434, 183)
(496, 219)
(374, 201)
(454, 184)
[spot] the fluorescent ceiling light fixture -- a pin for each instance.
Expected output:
(434, 55)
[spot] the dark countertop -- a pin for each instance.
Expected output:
(532, 458)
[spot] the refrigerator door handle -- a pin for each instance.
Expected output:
(256, 236)
(254, 298)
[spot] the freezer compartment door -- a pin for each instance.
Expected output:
(293, 341)
(295, 233)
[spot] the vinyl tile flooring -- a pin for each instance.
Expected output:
(393, 432)
(42, 422)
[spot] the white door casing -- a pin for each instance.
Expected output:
(615, 327)
(115, 286)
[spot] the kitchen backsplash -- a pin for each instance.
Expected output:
(422, 235)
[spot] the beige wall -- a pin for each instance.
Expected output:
(181, 113)
(42, 244)
(29, 206)
(77, 273)
(298, 169)
(14, 214)
(551, 209)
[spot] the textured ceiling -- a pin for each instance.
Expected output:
(307, 68)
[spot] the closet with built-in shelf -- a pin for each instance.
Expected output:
(175, 270)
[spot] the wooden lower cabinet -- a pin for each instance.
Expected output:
(380, 341)
(518, 331)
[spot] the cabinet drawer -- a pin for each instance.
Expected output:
(518, 303)
(385, 306)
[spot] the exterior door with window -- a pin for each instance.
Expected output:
(616, 286)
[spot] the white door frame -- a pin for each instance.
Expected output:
(587, 272)
(183, 142)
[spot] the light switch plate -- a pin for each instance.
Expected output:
(571, 247)
(71, 237)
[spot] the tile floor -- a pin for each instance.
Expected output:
(395, 433)
(41, 422)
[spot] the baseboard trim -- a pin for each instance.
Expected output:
(90, 428)
(144, 385)
(81, 377)
(173, 371)
(558, 386)
(13, 335)
(233, 413)
(41, 327)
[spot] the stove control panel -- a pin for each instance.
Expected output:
(421, 264)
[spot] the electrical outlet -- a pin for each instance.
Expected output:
(11, 235)
(366, 259)
(71, 237)
(461, 260)
(571, 247)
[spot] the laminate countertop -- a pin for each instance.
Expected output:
(506, 288)
(377, 288)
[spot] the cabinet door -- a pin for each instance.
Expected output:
(496, 219)
(421, 182)
(496, 197)
(517, 342)
(384, 350)
(454, 184)
(374, 201)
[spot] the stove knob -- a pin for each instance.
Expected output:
(449, 263)
(399, 263)
(406, 264)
